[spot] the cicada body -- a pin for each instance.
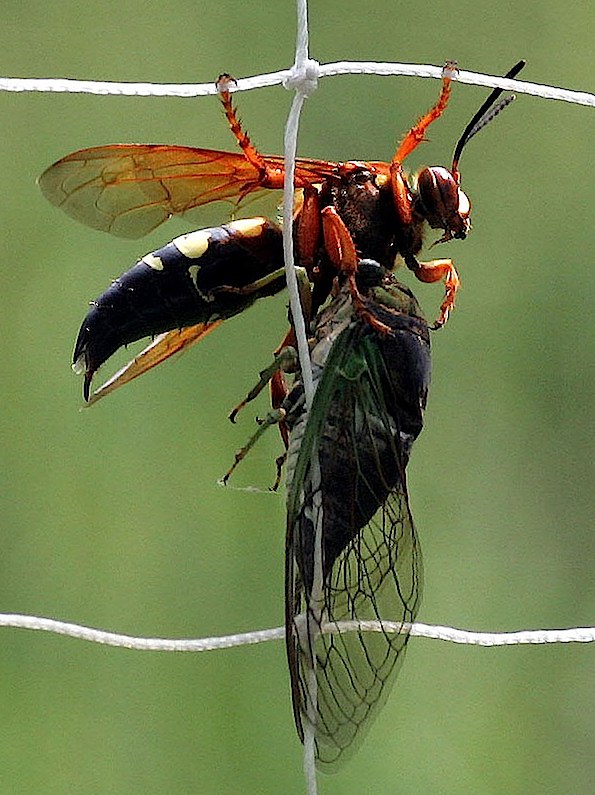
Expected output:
(352, 551)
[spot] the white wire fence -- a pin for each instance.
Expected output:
(302, 78)
(419, 630)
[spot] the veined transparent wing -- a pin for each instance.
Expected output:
(130, 189)
(366, 413)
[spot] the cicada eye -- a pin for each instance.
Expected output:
(443, 203)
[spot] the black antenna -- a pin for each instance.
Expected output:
(488, 111)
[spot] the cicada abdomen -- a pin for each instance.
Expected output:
(352, 552)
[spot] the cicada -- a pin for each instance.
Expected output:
(352, 553)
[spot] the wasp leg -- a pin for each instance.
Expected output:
(417, 133)
(308, 229)
(278, 387)
(341, 250)
(269, 176)
(253, 287)
(338, 242)
(433, 271)
(400, 189)
(285, 360)
(272, 418)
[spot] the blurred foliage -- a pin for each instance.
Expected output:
(112, 516)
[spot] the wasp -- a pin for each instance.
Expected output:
(352, 553)
(348, 211)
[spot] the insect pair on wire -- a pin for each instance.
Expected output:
(351, 553)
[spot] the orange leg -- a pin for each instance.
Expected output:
(432, 272)
(399, 186)
(401, 195)
(279, 392)
(338, 242)
(341, 250)
(278, 387)
(269, 177)
(417, 133)
(308, 230)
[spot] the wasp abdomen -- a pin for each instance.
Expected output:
(200, 277)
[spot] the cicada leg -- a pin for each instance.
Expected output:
(272, 418)
(253, 287)
(285, 361)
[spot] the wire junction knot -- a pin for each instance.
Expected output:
(303, 77)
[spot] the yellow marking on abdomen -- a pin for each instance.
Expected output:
(153, 262)
(193, 244)
(249, 227)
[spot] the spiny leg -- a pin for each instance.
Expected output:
(269, 176)
(417, 133)
(253, 287)
(285, 360)
(272, 418)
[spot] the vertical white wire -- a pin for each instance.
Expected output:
(303, 79)
(290, 275)
(290, 141)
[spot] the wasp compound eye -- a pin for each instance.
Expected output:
(445, 205)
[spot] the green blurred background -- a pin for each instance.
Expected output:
(112, 517)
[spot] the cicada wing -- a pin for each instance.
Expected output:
(371, 567)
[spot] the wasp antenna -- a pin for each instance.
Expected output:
(488, 111)
(487, 117)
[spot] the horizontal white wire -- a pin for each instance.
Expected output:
(274, 78)
(436, 632)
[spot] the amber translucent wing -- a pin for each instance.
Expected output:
(161, 348)
(130, 189)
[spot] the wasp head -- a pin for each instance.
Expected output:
(442, 203)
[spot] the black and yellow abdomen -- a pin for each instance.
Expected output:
(203, 276)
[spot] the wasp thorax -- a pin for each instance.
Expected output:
(444, 205)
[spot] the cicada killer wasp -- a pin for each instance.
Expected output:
(349, 211)
(352, 553)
